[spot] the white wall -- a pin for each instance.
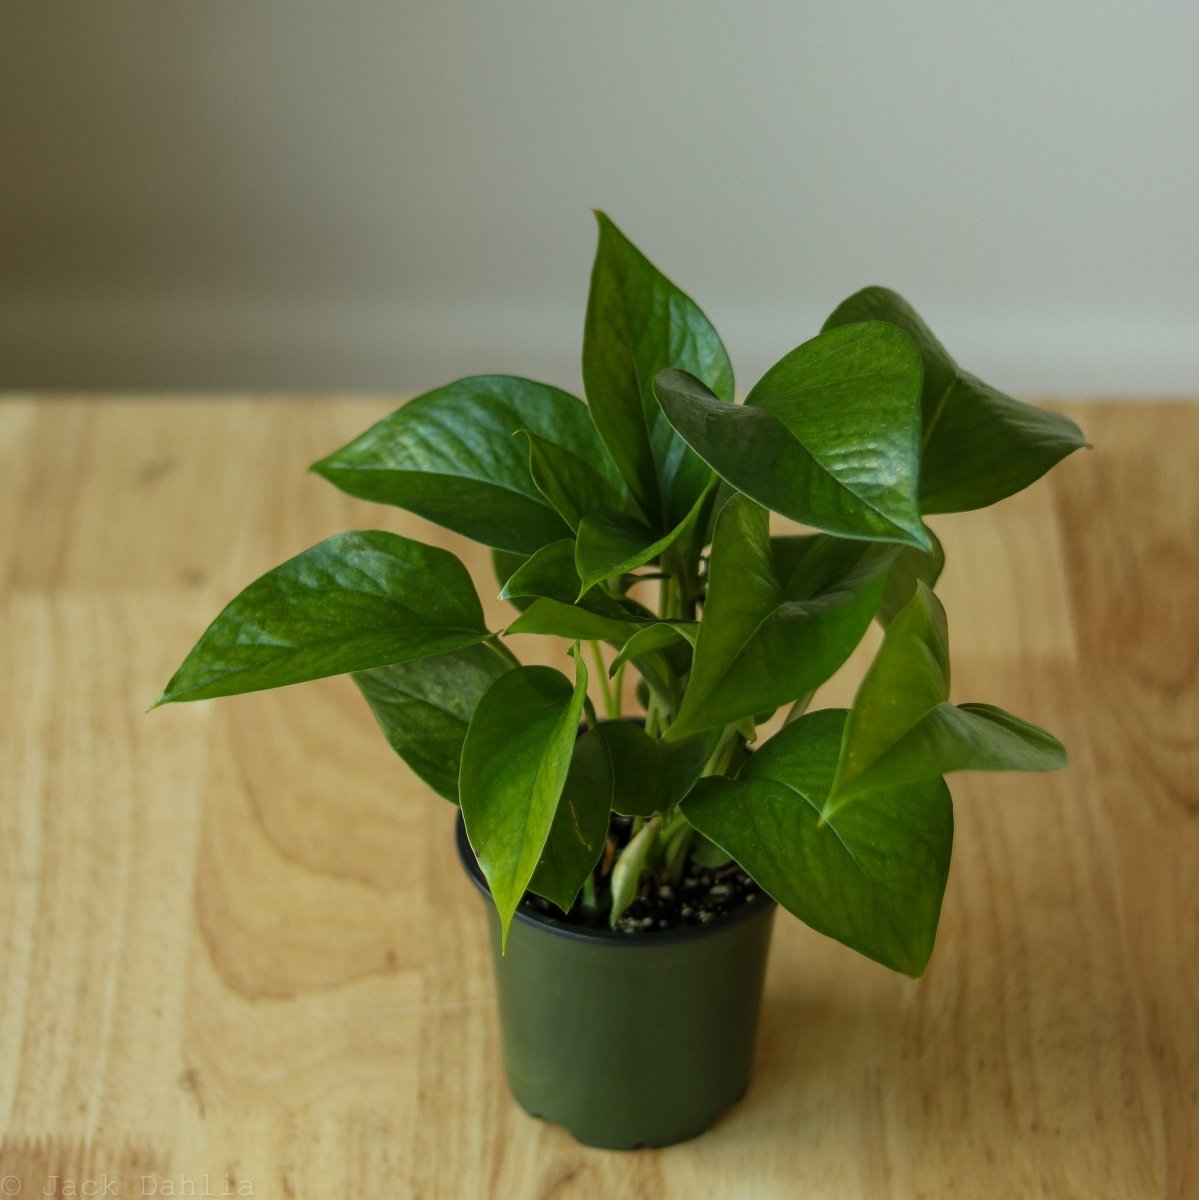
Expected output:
(262, 193)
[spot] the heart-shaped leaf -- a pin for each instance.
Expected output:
(356, 600)
(662, 635)
(830, 435)
(424, 707)
(551, 573)
(613, 543)
(556, 619)
(766, 639)
(979, 445)
(515, 760)
(647, 776)
(637, 323)
(451, 456)
(572, 486)
(576, 838)
(871, 876)
(902, 728)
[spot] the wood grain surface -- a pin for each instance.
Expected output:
(237, 951)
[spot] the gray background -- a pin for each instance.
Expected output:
(302, 195)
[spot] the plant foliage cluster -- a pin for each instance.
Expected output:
(662, 483)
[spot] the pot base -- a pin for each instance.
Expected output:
(585, 1137)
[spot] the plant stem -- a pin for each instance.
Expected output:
(618, 689)
(495, 644)
(729, 746)
(601, 670)
(667, 597)
(655, 717)
(589, 712)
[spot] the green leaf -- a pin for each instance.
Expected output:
(613, 543)
(662, 635)
(637, 323)
(647, 776)
(572, 486)
(551, 573)
(356, 600)
(902, 728)
(706, 853)
(872, 876)
(911, 566)
(830, 435)
(766, 639)
(451, 456)
(662, 653)
(576, 838)
(424, 707)
(979, 445)
(505, 564)
(638, 780)
(556, 619)
(515, 761)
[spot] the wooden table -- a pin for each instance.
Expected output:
(236, 947)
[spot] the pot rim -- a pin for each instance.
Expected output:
(608, 937)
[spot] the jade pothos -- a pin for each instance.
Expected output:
(636, 527)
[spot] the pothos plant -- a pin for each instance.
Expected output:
(662, 482)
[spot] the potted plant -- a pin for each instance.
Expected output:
(634, 865)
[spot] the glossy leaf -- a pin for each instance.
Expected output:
(424, 707)
(356, 600)
(766, 640)
(571, 621)
(573, 487)
(614, 543)
(505, 564)
(911, 566)
(979, 445)
(576, 838)
(902, 728)
(662, 635)
(451, 456)
(551, 573)
(515, 760)
(872, 876)
(830, 435)
(637, 323)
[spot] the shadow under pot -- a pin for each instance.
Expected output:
(628, 1040)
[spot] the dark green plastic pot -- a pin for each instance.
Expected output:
(628, 1040)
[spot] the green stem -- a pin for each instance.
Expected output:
(601, 671)
(495, 644)
(666, 600)
(655, 716)
(727, 749)
(618, 689)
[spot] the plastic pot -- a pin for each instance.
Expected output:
(628, 1040)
